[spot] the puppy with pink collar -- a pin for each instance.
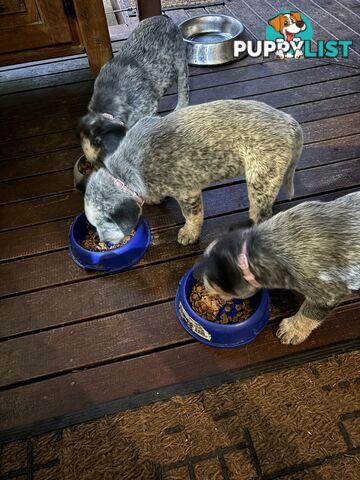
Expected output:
(313, 248)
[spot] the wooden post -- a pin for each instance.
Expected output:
(94, 32)
(148, 8)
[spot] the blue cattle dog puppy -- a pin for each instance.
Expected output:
(180, 154)
(130, 86)
(313, 248)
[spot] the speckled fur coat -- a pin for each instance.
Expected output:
(180, 154)
(130, 86)
(313, 248)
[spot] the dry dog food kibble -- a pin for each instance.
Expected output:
(85, 167)
(208, 307)
(203, 303)
(92, 242)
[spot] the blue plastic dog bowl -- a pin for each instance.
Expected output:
(215, 334)
(118, 259)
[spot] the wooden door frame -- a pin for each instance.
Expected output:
(90, 34)
(148, 8)
(91, 19)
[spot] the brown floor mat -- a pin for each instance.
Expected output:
(302, 423)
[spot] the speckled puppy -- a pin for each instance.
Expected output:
(130, 86)
(313, 248)
(180, 154)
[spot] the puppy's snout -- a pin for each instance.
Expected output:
(300, 24)
(90, 151)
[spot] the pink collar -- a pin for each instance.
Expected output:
(243, 264)
(120, 184)
(111, 117)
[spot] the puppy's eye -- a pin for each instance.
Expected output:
(286, 23)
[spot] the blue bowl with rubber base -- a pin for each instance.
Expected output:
(215, 334)
(115, 260)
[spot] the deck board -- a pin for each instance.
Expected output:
(324, 26)
(23, 315)
(60, 182)
(22, 118)
(241, 89)
(73, 340)
(58, 268)
(61, 206)
(340, 12)
(68, 394)
(68, 120)
(61, 159)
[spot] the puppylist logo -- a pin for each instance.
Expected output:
(289, 31)
(289, 35)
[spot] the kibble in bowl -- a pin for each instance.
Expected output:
(82, 170)
(217, 310)
(88, 252)
(92, 242)
(85, 167)
(218, 323)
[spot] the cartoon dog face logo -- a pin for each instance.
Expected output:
(288, 25)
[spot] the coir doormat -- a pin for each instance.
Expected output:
(302, 423)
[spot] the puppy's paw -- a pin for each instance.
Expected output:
(187, 236)
(289, 332)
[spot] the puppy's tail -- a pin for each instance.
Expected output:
(288, 181)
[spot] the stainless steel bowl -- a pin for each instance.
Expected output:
(80, 180)
(78, 176)
(210, 38)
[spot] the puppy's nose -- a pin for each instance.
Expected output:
(300, 24)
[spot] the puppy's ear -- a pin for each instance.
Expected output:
(275, 23)
(243, 224)
(200, 269)
(210, 247)
(126, 215)
(296, 15)
(87, 124)
(101, 132)
(110, 136)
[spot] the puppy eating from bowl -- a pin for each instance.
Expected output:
(313, 248)
(130, 86)
(180, 154)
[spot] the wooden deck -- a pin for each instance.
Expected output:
(73, 341)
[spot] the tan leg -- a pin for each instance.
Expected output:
(183, 87)
(192, 209)
(296, 329)
(262, 196)
(190, 232)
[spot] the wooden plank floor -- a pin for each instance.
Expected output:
(72, 340)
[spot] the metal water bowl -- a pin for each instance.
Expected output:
(210, 38)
